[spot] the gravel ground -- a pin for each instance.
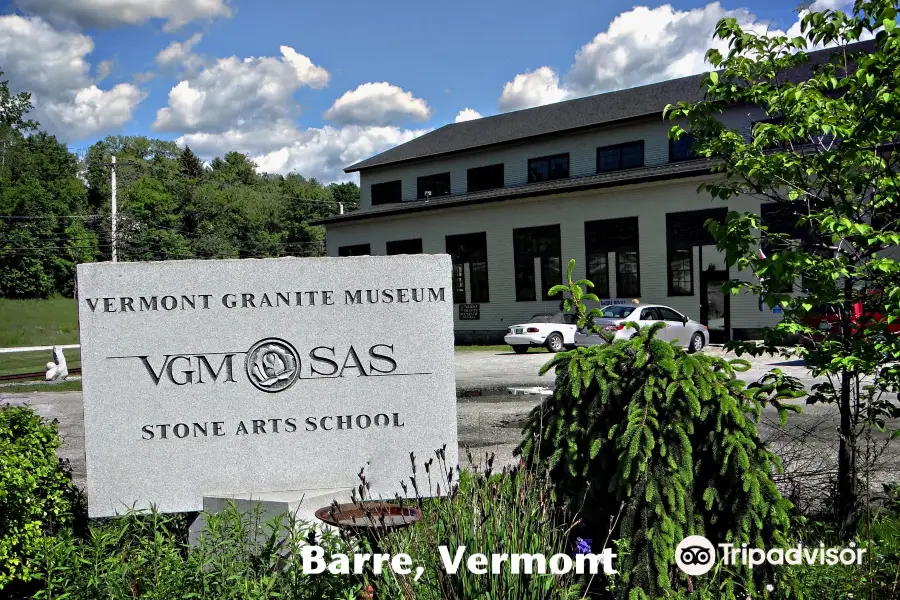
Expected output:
(489, 418)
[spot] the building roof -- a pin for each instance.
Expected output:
(581, 113)
(542, 120)
(675, 170)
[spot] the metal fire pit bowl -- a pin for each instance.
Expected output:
(384, 515)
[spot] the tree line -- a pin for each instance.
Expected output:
(55, 205)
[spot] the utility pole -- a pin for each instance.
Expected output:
(113, 209)
(114, 234)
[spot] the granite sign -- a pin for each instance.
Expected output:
(252, 376)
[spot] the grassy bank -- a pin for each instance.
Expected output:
(38, 322)
(34, 362)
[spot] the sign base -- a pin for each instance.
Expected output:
(301, 504)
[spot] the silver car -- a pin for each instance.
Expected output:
(686, 332)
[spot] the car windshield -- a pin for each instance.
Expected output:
(616, 312)
(546, 318)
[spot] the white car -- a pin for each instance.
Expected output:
(555, 331)
(680, 329)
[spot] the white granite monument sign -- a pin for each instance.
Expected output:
(235, 377)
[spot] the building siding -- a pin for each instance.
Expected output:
(648, 201)
(581, 146)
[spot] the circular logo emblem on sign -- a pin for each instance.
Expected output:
(695, 555)
(272, 365)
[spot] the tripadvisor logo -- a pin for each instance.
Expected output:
(696, 555)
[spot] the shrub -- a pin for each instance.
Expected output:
(665, 444)
(486, 512)
(35, 491)
(237, 557)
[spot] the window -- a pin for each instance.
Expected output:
(617, 311)
(649, 314)
(780, 221)
(484, 178)
(628, 280)
(667, 314)
(542, 243)
(404, 247)
(548, 167)
(357, 250)
(471, 249)
(387, 192)
(619, 236)
(682, 148)
(681, 272)
(438, 185)
(620, 156)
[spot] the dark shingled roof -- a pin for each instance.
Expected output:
(688, 168)
(542, 120)
(570, 115)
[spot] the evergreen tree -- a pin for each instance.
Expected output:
(191, 166)
(664, 444)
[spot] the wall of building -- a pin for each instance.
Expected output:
(582, 149)
(649, 202)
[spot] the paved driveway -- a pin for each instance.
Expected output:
(489, 419)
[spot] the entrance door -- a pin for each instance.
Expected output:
(715, 306)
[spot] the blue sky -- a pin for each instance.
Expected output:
(95, 66)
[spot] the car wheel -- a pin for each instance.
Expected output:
(520, 349)
(696, 344)
(554, 342)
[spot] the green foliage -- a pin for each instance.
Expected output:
(35, 492)
(877, 578)
(55, 208)
(663, 444)
(487, 512)
(826, 162)
(237, 557)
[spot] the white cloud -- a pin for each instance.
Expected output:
(111, 13)
(534, 88)
(242, 94)
(179, 53)
(316, 152)
(377, 104)
(94, 110)
(52, 66)
(640, 46)
(103, 69)
(467, 114)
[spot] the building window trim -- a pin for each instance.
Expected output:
(434, 183)
(624, 239)
(620, 148)
(523, 262)
(463, 285)
(408, 246)
(396, 196)
(550, 175)
(671, 255)
(620, 285)
(686, 139)
(355, 250)
(487, 172)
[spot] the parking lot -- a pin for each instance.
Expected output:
(489, 418)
